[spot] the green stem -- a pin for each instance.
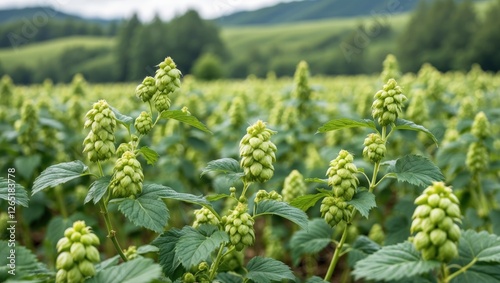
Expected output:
(111, 232)
(60, 202)
(460, 271)
(107, 220)
(245, 188)
(336, 255)
(215, 265)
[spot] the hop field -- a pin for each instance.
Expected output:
(169, 175)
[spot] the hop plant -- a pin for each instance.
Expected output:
(294, 186)
(434, 222)
(391, 68)
(341, 176)
(204, 216)
(143, 123)
(264, 195)
(127, 176)
(335, 210)
(257, 153)
(168, 77)
(147, 89)
(481, 126)
(374, 149)
(477, 157)
(388, 103)
(417, 110)
(301, 91)
(274, 248)
(77, 254)
(376, 234)
(27, 128)
(239, 225)
(237, 112)
(99, 143)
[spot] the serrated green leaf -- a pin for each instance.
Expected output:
(360, 249)
(479, 272)
(194, 247)
(26, 263)
(139, 270)
(227, 166)
(393, 263)
(481, 245)
(59, 174)
(363, 201)
(316, 279)
(226, 277)
(107, 263)
(186, 118)
(307, 201)
(416, 170)
(150, 155)
(267, 270)
(147, 249)
(28, 164)
(20, 196)
(402, 124)
(166, 244)
(345, 123)
(316, 180)
(317, 236)
(97, 189)
(147, 210)
(127, 120)
(284, 210)
(166, 192)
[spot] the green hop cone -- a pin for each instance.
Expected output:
(481, 126)
(188, 278)
(127, 176)
(168, 76)
(388, 103)
(374, 149)
(264, 195)
(334, 210)
(237, 112)
(377, 234)
(294, 186)
(162, 102)
(433, 222)
(27, 127)
(77, 254)
(130, 252)
(232, 261)
(147, 89)
(204, 216)
(477, 157)
(341, 176)
(239, 226)
(99, 143)
(257, 153)
(143, 123)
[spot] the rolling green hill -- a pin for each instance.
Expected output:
(31, 55)
(9, 15)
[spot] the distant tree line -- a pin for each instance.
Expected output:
(451, 35)
(19, 33)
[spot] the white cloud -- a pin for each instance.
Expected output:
(146, 9)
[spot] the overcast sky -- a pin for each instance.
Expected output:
(145, 8)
